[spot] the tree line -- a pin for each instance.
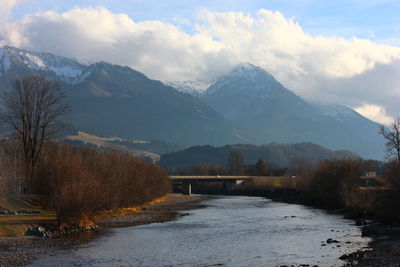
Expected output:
(235, 166)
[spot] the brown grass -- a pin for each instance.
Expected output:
(134, 209)
(271, 184)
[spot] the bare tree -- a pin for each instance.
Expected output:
(392, 136)
(236, 163)
(32, 110)
(261, 167)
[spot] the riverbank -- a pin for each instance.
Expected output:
(20, 251)
(384, 249)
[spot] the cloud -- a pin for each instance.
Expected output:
(6, 8)
(375, 113)
(329, 69)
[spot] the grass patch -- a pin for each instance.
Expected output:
(134, 209)
(7, 229)
(272, 183)
(18, 224)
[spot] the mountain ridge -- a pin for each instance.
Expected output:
(276, 155)
(246, 105)
(113, 100)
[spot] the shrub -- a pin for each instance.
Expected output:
(331, 183)
(79, 182)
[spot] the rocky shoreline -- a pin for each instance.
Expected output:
(384, 249)
(21, 251)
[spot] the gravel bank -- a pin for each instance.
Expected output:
(384, 251)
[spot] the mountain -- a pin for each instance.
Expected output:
(263, 111)
(16, 63)
(276, 155)
(111, 100)
(247, 105)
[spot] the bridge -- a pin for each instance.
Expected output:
(228, 181)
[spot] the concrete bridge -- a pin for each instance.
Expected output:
(228, 181)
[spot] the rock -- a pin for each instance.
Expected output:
(35, 231)
(360, 222)
(330, 241)
(371, 230)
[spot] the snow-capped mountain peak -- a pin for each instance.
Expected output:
(249, 80)
(62, 68)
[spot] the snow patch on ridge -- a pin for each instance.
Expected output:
(338, 112)
(189, 86)
(62, 68)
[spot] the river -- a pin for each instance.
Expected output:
(230, 231)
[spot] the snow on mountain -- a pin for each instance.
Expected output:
(247, 79)
(64, 69)
(338, 112)
(196, 87)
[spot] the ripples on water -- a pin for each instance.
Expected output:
(231, 231)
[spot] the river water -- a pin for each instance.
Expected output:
(231, 231)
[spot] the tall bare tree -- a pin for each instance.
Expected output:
(32, 110)
(236, 163)
(261, 167)
(392, 137)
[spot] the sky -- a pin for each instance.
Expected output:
(334, 52)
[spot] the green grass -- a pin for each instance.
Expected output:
(17, 224)
(13, 229)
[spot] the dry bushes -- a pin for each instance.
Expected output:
(337, 184)
(331, 183)
(79, 182)
(11, 168)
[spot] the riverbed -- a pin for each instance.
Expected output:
(229, 231)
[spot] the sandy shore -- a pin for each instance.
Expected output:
(20, 251)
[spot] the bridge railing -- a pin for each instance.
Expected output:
(221, 177)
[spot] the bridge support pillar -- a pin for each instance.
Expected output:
(187, 189)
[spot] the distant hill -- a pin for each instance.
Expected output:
(276, 155)
(150, 150)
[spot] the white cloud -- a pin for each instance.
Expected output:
(375, 113)
(330, 69)
(6, 7)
